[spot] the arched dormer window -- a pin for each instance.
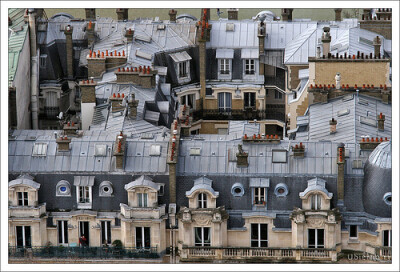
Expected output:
(316, 196)
(202, 200)
(315, 201)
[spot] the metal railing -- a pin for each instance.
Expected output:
(82, 252)
(239, 114)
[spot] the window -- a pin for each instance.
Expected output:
(237, 189)
(202, 200)
(224, 102)
(259, 196)
(249, 67)
(105, 188)
(23, 234)
(281, 190)
(39, 149)
(315, 238)
(161, 189)
(183, 69)
(106, 232)
(85, 194)
(155, 150)
(278, 95)
(224, 66)
(63, 188)
(387, 198)
(353, 231)
(387, 238)
(142, 237)
(202, 237)
(249, 100)
(142, 199)
(259, 235)
(279, 156)
(62, 227)
(188, 100)
(315, 202)
(22, 198)
(43, 59)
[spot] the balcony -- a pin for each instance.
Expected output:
(26, 211)
(142, 212)
(235, 114)
(248, 253)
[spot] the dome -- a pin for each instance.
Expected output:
(377, 187)
(265, 15)
(186, 16)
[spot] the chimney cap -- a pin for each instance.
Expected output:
(341, 145)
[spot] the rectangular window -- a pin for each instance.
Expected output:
(142, 199)
(23, 235)
(250, 67)
(188, 100)
(106, 232)
(202, 200)
(202, 237)
(224, 66)
(22, 198)
(84, 233)
(278, 95)
(353, 231)
(315, 238)
(183, 69)
(224, 102)
(259, 235)
(84, 194)
(316, 202)
(259, 196)
(279, 156)
(43, 59)
(62, 227)
(250, 100)
(142, 237)
(387, 238)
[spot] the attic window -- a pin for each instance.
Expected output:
(146, 136)
(279, 156)
(367, 121)
(100, 150)
(343, 112)
(387, 198)
(230, 27)
(39, 149)
(365, 41)
(155, 150)
(143, 55)
(195, 151)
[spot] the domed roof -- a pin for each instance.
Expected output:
(265, 15)
(382, 155)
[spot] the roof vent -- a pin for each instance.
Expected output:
(367, 121)
(343, 112)
(230, 27)
(143, 55)
(195, 151)
(100, 150)
(155, 150)
(39, 150)
(143, 38)
(161, 27)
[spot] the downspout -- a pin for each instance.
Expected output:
(34, 68)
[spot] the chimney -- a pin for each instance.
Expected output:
(12, 108)
(117, 102)
(326, 41)
(337, 79)
(119, 150)
(70, 129)
(90, 33)
(338, 14)
(70, 51)
(377, 46)
(172, 15)
(88, 102)
(241, 157)
(63, 143)
(203, 32)
(286, 14)
(333, 124)
(172, 158)
(366, 13)
(318, 52)
(381, 122)
(96, 64)
(34, 69)
(122, 14)
(90, 14)
(132, 103)
(207, 14)
(233, 14)
(129, 35)
(341, 161)
(298, 150)
(261, 41)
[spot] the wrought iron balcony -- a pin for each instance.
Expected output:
(239, 114)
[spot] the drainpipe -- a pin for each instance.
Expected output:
(34, 67)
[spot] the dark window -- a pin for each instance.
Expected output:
(22, 198)
(224, 102)
(106, 232)
(315, 238)
(183, 69)
(353, 231)
(62, 232)
(259, 235)
(202, 237)
(23, 236)
(387, 238)
(259, 196)
(278, 95)
(202, 200)
(250, 67)
(249, 100)
(142, 237)
(84, 194)
(209, 91)
(84, 233)
(224, 66)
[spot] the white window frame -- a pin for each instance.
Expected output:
(316, 201)
(249, 66)
(224, 68)
(23, 198)
(183, 65)
(202, 243)
(64, 232)
(259, 196)
(317, 244)
(84, 194)
(258, 239)
(202, 201)
(106, 227)
(142, 200)
(389, 234)
(222, 106)
(143, 237)
(23, 236)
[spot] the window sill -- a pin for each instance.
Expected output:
(84, 205)
(353, 241)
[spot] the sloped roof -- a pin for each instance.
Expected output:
(382, 155)
(26, 180)
(142, 181)
(317, 184)
(202, 183)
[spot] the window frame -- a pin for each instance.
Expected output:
(202, 201)
(142, 200)
(62, 232)
(202, 242)
(105, 233)
(23, 200)
(24, 237)
(43, 61)
(353, 229)
(224, 67)
(316, 202)
(143, 232)
(259, 239)
(249, 100)
(316, 234)
(387, 233)
(249, 67)
(223, 99)
(259, 196)
(183, 66)
(84, 191)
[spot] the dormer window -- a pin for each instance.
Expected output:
(259, 196)
(202, 200)
(182, 66)
(249, 67)
(315, 202)
(224, 57)
(183, 69)
(84, 186)
(224, 68)
(22, 198)
(142, 199)
(84, 194)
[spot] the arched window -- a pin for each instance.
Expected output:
(202, 200)
(315, 202)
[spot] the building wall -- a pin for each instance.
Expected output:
(87, 110)
(293, 74)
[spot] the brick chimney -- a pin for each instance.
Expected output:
(12, 108)
(119, 150)
(332, 124)
(90, 14)
(88, 102)
(203, 33)
(172, 159)
(381, 122)
(122, 14)
(63, 143)
(286, 14)
(261, 41)
(129, 35)
(172, 15)
(132, 103)
(96, 64)
(377, 46)
(367, 13)
(242, 157)
(326, 41)
(341, 162)
(70, 51)
(91, 37)
(338, 14)
(70, 129)
(116, 102)
(233, 14)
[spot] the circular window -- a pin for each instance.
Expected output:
(281, 190)
(105, 188)
(63, 189)
(237, 190)
(387, 198)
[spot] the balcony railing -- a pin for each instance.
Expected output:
(82, 252)
(385, 253)
(239, 114)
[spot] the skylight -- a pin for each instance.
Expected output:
(100, 150)
(155, 150)
(39, 149)
(195, 151)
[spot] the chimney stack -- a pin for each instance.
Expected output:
(233, 14)
(341, 161)
(132, 103)
(90, 33)
(242, 157)
(70, 129)
(172, 15)
(286, 14)
(381, 122)
(326, 41)
(172, 158)
(122, 14)
(119, 150)
(333, 124)
(70, 51)
(338, 14)
(318, 52)
(261, 41)
(377, 46)
(129, 35)
(63, 143)
(338, 79)
(366, 13)
(90, 14)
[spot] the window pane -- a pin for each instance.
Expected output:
(254, 243)
(147, 237)
(103, 232)
(20, 199)
(60, 233)
(385, 238)
(25, 198)
(264, 231)
(20, 239)
(264, 243)
(65, 231)
(311, 238)
(139, 237)
(197, 236)
(320, 238)
(27, 236)
(254, 231)
(353, 231)
(140, 199)
(144, 200)
(207, 240)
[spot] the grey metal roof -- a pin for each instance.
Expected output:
(382, 155)
(249, 53)
(26, 180)
(142, 181)
(202, 183)
(83, 180)
(316, 184)
(259, 182)
(180, 56)
(224, 53)
(240, 128)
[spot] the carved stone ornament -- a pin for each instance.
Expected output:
(202, 219)
(217, 217)
(186, 216)
(331, 218)
(299, 218)
(315, 222)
